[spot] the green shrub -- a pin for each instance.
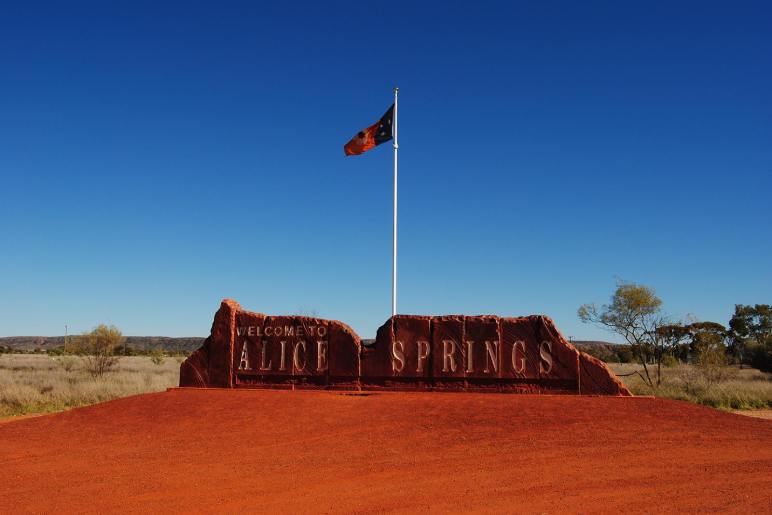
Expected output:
(157, 355)
(668, 360)
(761, 357)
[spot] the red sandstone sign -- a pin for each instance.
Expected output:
(456, 352)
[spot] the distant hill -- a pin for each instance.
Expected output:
(140, 343)
(607, 351)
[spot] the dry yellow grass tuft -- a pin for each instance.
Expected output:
(41, 383)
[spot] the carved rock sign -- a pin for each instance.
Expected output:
(456, 352)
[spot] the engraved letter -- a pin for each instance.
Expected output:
(296, 356)
(240, 331)
(448, 355)
(321, 355)
(469, 356)
(244, 362)
(423, 350)
(251, 330)
(397, 356)
(321, 331)
(545, 365)
(491, 356)
(263, 365)
(283, 360)
(518, 364)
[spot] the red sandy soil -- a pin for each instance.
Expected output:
(284, 451)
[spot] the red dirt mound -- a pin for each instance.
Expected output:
(316, 451)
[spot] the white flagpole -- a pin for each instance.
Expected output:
(394, 250)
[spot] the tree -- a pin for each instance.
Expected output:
(706, 336)
(672, 339)
(97, 349)
(751, 325)
(635, 313)
(708, 350)
(625, 354)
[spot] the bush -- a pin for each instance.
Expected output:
(157, 355)
(625, 354)
(668, 360)
(126, 350)
(66, 362)
(97, 349)
(760, 355)
(712, 363)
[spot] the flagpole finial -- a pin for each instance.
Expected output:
(396, 89)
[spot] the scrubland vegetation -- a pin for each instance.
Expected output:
(727, 388)
(87, 371)
(32, 383)
(698, 361)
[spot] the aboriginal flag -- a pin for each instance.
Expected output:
(372, 136)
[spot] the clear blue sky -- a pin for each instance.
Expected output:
(156, 157)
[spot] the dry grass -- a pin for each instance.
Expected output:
(734, 389)
(41, 384)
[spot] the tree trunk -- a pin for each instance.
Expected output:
(659, 371)
(648, 377)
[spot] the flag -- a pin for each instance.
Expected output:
(372, 136)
